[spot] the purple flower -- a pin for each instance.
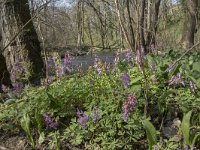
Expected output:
(128, 55)
(50, 79)
(82, 118)
(116, 61)
(5, 89)
(50, 123)
(125, 79)
(176, 80)
(107, 65)
(128, 106)
(17, 88)
(95, 114)
(140, 55)
(193, 87)
(97, 65)
(67, 63)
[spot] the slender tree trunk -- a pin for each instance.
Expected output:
(132, 36)
(23, 55)
(189, 26)
(90, 32)
(142, 36)
(153, 11)
(122, 26)
(100, 17)
(80, 23)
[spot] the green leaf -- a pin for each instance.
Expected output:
(185, 127)
(136, 80)
(41, 138)
(194, 139)
(176, 68)
(151, 133)
(38, 119)
(195, 66)
(10, 101)
(25, 124)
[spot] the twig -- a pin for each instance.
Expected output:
(175, 62)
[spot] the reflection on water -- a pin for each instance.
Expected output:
(83, 62)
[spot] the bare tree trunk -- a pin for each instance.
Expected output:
(4, 74)
(90, 32)
(153, 11)
(189, 26)
(142, 37)
(80, 15)
(23, 55)
(122, 26)
(132, 36)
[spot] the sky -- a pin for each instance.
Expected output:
(64, 3)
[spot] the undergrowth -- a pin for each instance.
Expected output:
(104, 108)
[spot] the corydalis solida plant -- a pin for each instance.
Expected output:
(60, 66)
(125, 79)
(82, 118)
(50, 122)
(176, 80)
(128, 55)
(67, 63)
(128, 106)
(193, 87)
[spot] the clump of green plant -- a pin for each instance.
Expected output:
(104, 108)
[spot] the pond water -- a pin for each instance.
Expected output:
(84, 62)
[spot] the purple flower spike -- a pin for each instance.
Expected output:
(128, 55)
(50, 123)
(193, 87)
(97, 65)
(176, 80)
(125, 79)
(82, 118)
(17, 88)
(128, 106)
(67, 63)
(116, 62)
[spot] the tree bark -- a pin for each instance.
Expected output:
(130, 24)
(23, 55)
(189, 26)
(153, 11)
(142, 36)
(4, 74)
(80, 18)
(122, 26)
